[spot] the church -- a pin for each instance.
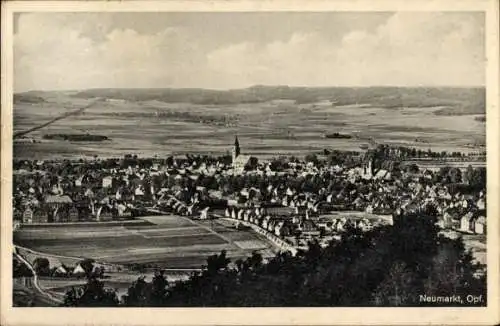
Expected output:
(239, 161)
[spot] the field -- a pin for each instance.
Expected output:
(275, 127)
(170, 242)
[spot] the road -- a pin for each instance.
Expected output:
(45, 124)
(41, 298)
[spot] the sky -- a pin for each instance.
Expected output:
(71, 51)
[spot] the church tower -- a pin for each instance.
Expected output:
(236, 149)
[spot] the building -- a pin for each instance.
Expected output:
(204, 214)
(73, 214)
(107, 182)
(466, 223)
(28, 216)
(104, 213)
(79, 271)
(58, 207)
(60, 271)
(239, 161)
(480, 225)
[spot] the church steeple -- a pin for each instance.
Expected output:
(236, 147)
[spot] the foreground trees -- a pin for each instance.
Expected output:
(92, 294)
(387, 266)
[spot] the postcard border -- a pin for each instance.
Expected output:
(253, 316)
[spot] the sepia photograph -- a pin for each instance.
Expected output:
(249, 158)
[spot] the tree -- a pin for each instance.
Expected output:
(312, 158)
(137, 294)
(41, 266)
(92, 294)
(413, 168)
(159, 286)
(454, 271)
(20, 269)
(396, 289)
(455, 175)
(469, 175)
(87, 265)
(252, 163)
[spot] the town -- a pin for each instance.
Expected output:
(290, 200)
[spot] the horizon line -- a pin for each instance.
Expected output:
(252, 86)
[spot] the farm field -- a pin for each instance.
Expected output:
(265, 129)
(171, 242)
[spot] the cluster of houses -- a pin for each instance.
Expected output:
(53, 267)
(67, 191)
(295, 223)
(76, 271)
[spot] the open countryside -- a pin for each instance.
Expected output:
(270, 128)
(185, 198)
(175, 242)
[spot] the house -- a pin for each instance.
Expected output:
(265, 221)
(139, 192)
(481, 203)
(97, 270)
(57, 201)
(246, 216)
(279, 210)
(382, 175)
(271, 224)
(79, 271)
(204, 214)
(57, 206)
(277, 228)
(358, 203)
(446, 221)
(363, 224)
(339, 224)
(73, 214)
(480, 225)
(239, 163)
(60, 271)
(122, 210)
(283, 229)
(466, 222)
(28, 215)
(107, 182)
(79, 181)
(104, 213)
(308, 228)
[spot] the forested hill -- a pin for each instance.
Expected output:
(454, 100)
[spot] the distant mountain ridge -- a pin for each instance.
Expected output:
(454, 100)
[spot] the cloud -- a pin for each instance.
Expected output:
(408, 49)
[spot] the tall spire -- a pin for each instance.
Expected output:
(236, 146)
